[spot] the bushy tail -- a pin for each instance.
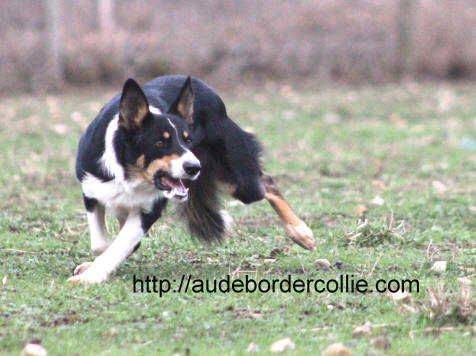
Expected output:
(202, 209)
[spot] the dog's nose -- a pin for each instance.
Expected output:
(191, 168)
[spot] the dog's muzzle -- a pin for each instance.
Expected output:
(174, 187)
(192, 169)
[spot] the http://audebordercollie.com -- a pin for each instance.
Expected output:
(170, 139)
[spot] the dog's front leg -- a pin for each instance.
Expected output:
(125, 242)
(97, 229)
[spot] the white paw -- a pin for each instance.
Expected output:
(89, 273)
(301, 234)
(81, 268)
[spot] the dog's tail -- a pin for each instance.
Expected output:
(202, 210)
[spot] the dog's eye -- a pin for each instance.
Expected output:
(162, 143)
(186, 138)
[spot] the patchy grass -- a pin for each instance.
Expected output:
(333, 153)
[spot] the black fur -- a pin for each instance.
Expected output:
(150, 217)
(227, 153)
(91, 145)
(203, 204)
(131, 141)
(89, 203)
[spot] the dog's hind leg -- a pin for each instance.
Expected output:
(295, 228)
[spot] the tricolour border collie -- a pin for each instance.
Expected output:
(170, 139)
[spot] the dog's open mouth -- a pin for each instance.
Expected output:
(172, 187)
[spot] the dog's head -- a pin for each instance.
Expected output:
(158, 145)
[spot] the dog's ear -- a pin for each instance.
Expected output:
(183, 105)
(133, 107)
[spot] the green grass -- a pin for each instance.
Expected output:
(332, 153)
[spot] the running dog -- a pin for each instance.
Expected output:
(170, 139)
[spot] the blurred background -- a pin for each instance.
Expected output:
(51, 44)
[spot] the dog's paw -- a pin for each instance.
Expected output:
(81, 268)
(301, 234)
(88, 273)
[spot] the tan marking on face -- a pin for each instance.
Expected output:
(147, 173)
(185, 134)
(166, 135)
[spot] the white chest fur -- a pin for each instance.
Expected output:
(118, 195)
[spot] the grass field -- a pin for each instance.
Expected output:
(333, 153)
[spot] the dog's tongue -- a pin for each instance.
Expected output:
(178, 189)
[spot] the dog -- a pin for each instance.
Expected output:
(170, 139)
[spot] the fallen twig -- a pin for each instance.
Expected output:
(15, 250)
